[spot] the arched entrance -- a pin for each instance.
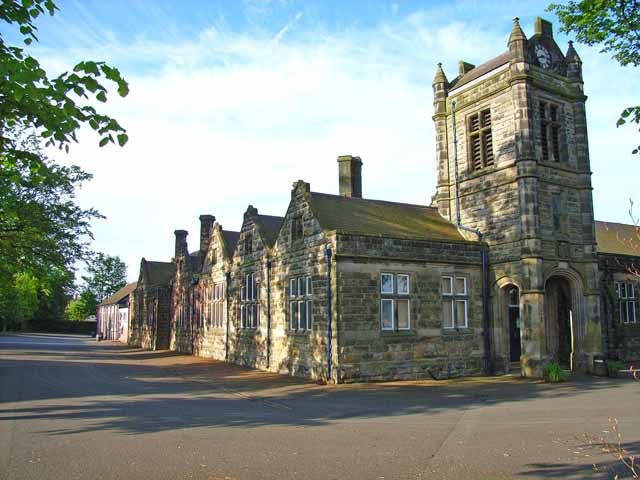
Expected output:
(559, 321)
(512, 304)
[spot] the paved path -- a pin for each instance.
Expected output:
(73, 408)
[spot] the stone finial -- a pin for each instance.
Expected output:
(516, 32)
(251, 211)
(300, 187)
(440, 77)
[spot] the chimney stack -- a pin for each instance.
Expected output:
(206, 223)
(350, 176)
(181, 243)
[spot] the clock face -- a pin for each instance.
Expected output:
(543, 55)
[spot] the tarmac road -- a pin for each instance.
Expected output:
(73, 408)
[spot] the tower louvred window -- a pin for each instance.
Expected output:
(480, 140)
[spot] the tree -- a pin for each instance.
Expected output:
(82, 307)
(42, 230)
(612, 24)
(106, 275)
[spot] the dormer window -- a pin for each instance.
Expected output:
(480, 140)
(550, 131)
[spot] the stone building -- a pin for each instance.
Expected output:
(506, 268)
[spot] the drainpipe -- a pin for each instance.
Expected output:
(227, 281)
(484, 254)
(327, 255)
(268, 312)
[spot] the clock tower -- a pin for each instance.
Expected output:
(513, 164)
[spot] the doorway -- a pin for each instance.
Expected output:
(513, 315)
(559, 318)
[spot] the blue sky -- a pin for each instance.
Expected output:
(233, 101)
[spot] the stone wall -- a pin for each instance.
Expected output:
(426, 349)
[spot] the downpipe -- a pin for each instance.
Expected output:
(268, 312)
(327, 255)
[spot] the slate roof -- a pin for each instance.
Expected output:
(618, 238)
(480, 70)
(119, 295)
(160, 273)
(379, 218)
(270, 227)
(230, 241)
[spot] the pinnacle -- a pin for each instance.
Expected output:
(516, 31)
(440, 77)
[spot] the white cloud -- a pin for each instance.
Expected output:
(227, 119)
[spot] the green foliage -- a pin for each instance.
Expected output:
(613, 25)
(30, 99)
(553, 373)
(106, 275)
(613, 366)
(26, 298)
(82, 307)
(42, 231)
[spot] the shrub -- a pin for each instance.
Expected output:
(553, 373)
(613, 366)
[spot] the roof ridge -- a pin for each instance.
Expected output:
(388, 202)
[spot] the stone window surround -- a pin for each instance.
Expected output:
(627, 302)
(216, 305)
(249, 302)
(454, 297)
(550, 123)
(483, 133)
(395, 297)
(299, 303)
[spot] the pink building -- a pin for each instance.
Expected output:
(113, 314)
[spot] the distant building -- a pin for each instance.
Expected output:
(113, 315)
(506, 269)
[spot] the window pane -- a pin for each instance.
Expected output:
(447, 314)
(293, 287)
(309, 313)
(446, 286)
(309, 289)
(461, 286)
(301, 287)
(387, 314)
(461, 313)
(293, 307)
(403, 284)
(386, 283)
(303, 315)
(403, 314)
